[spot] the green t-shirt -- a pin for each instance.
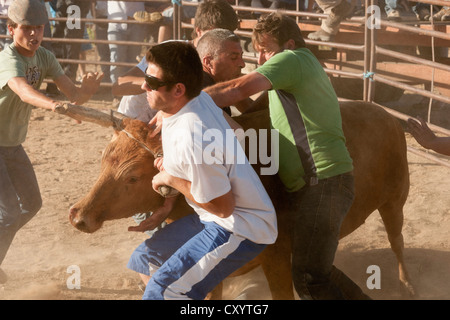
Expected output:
(14, 113)
(305, 110)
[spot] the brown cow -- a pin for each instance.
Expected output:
(375, 141)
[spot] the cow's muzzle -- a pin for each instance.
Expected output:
(80, 222)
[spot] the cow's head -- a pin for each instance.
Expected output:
(124, 186)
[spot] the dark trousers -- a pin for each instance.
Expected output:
(20, 197)
(318, 212)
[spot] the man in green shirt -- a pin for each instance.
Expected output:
(24, 65)
(315, 165)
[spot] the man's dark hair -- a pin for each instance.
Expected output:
(180, 63)
(212, 14)
(11, 23)
(282, 28)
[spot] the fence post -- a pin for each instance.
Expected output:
(176, 20)
(373, 59)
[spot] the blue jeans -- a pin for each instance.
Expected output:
(103, 49)
(124, 53)
(318, 212)
(188, 258)
(20, 197)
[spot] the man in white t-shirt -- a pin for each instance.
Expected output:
(234, 219)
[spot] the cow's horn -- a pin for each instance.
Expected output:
(114, 119)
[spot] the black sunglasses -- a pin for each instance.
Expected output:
(154, 83)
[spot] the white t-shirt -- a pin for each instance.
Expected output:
(199, 146)
(136, 106)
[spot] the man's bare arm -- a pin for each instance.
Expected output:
(129, 84)
(30, 95)
(231, 92)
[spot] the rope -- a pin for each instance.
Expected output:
(368, 75)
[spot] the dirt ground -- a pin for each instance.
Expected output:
(66, 157)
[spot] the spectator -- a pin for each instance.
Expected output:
(101, 33)
(165, 19)
(337, 10)
(212, 14)
(422, 11)
(62, 29)
(123, 10)
(427, 139)
(442, 15)
(395, 9)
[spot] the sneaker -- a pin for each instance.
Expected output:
(320, 35)
(342, 11)
(423, 14)
(442, 15)
(394, 15)
(3, 276)
(144, 16)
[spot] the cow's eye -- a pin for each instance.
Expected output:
(132, 180)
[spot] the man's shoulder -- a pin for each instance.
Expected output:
(207, 80)
(8, 52)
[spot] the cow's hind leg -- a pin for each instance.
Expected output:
(392, 216)
(216, 294)
(276, 264)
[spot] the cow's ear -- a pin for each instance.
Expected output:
(121, 125)
(115, 135)
(126, 122)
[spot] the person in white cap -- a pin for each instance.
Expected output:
(24, 65)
